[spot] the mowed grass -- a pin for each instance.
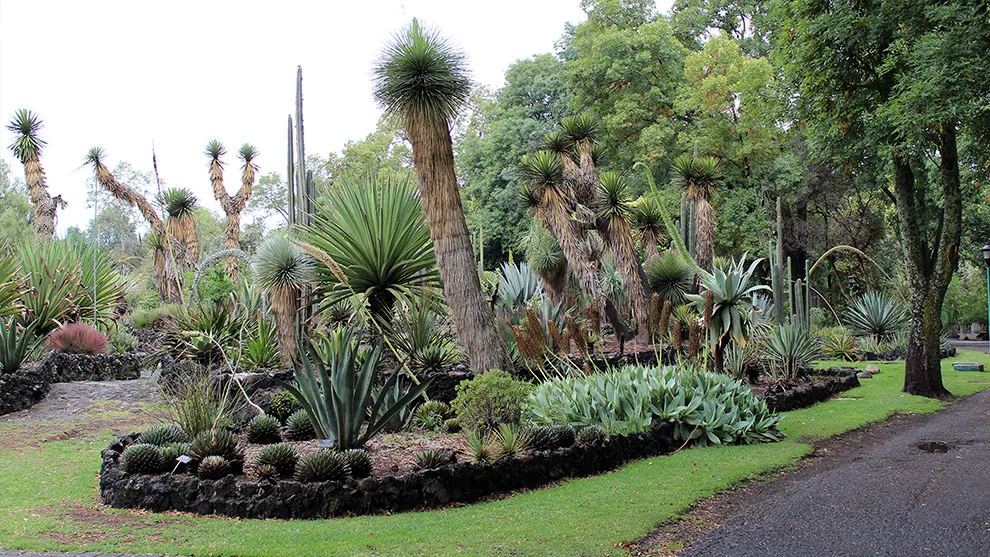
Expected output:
(48, 492)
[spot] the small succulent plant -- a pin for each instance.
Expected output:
(282, 405)
(267, 472)
(590, 434)
(216, 442)
(280, 456)
(549, 437)
(264, 430)
(358, 461)
(452, 425)
(481, 449)
(432, 458)
(321, 467)
(299, 427)
(431, 414)
(510, 440)
(213, 468)
(163, 434)
(141, 458)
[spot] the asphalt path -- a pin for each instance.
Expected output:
(879, 495)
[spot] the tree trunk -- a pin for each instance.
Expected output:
(43, 217)
(474, 320)
(285, 306)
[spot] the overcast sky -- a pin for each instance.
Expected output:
(124, 74)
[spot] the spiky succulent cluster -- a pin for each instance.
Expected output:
(481, 448)
(432, 458)
(549, 437)
(452, 425)
(299, 427)
(213, 468)
(282, 405)
(431, 414)
(282, 457)
(510, 440)
(172, 451)
(264, 430)
(322, 467)
(216, 442)
(141, 458)
(591, 434)
(358, 461)
(163, 434)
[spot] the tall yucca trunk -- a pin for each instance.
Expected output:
(43, 217)
(704, 224)
(183, 229)
(588, 176)
(620, 241)
(556, 218)
(170, 287)
(285, 306)
(433, 159)
(232, 208)
(651, 243)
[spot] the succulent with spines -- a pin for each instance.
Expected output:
(431, 414)
(171, 452)
(213, 468)
(549, 437)
(453, 425)
(280, 456)
(358, 461)
(163, 434)
(299, 427)
(591, 434)
(480, 446)
(282, 405)
(321, 467)
(432, 458)
(264, 430)
(216, 442)
(266, 472)
(141, 458)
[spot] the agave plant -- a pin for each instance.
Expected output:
(669, 276)
(339, 395)
(517, 284)
(260, 350)
(209, 333)
(16, 345)
(282, 270)
(790, 347)
(877, 315)
(837, 343)
(370, 241)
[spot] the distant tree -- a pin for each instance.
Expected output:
(270, 202)
(15, 210)
(697, 21)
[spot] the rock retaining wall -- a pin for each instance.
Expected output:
(823, 385)
(23, 388)
(63, 368)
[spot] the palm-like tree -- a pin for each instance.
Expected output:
(232, 206)
(422, 80)
(552, 201)
(167, 253)
(180, 206)
(648, 223)
(614, 208)
(699, 177)
(580, 131)
(546, 259)
(282, 270)
(27, 146)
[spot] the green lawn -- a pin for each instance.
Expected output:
(48, 491)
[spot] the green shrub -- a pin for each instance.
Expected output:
(299, 427)
(490, 399)
(837, 343)
(431, 458)
(590, 434)
(358, 462)
(163, 434)
(431, 414)
(263, 430)
(322, 467)
(280, 456)
(215, 286)
(705, 407)
(123, 342)
(218, 442)
(141, 458)
(282, 405)
(213, 468)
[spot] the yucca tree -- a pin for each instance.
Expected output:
(700, 177)
(648, 223)
(168, 278)
(180, 208)
(546, 259)
(422, 80)
(282, 270)
(614, 209)
(232, 206)
(580, 130)
(551, 199)
(27, 146)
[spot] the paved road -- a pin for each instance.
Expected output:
(881, 496)
(979, 345)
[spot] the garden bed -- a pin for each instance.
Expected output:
(461, 482)
(63, 367)
(818, 386)
(23, 389)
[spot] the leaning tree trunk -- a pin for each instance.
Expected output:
(474, 320)
(929, 266)
(43, 217)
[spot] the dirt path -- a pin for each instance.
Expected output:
(877, 491)
(70, 401)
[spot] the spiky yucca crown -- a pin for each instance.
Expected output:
(542, 168)
(213, 468)
(583, 127)
(613, 195)
(25, 126)
(163, 434)
(178, 202)
(215, 151)
(358, 462)
(299, 427)
(281, 456)
(281, 264)
(263, 429)
(141, 458)
(247, 153)
(699, 176)
(321, 467)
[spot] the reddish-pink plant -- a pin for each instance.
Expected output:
(77, 338)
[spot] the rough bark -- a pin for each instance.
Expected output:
(929, 265)
(474, 320)
(232, 208)
(43, 217)
(618, 237)
(285, 306)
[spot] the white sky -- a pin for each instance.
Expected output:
(121, 74)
